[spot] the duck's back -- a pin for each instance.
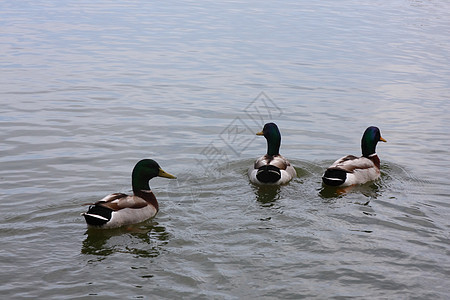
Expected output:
(271, 170)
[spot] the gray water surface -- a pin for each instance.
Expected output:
(88, 89)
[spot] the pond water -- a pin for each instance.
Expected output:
(88, 89)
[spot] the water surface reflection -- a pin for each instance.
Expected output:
(266, 195)
(141, 240)
(370, 191)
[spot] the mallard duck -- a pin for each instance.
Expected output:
(271, 168)
(350, 170)
(119, 209)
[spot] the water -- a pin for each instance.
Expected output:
(88, 89)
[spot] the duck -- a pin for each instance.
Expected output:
(118, 209)
(351, 170)
(271, 168)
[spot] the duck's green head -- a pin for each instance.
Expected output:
(370, 139)
(273, 137)
(145, 170)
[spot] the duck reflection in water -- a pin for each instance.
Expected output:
(266, 195)
(370, 190)
(141, 240)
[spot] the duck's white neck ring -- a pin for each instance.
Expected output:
(373, 154)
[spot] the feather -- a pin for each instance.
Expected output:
(120, 209)
(350, 170)
(271, 168)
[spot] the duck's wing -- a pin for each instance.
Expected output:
(278, 161)
(350, 163)
(262, 161)
(118, 201)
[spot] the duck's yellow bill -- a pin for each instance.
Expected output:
(383, 140)
(260, 133)
(163, 173)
